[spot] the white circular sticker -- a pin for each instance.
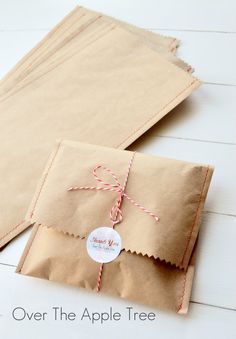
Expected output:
(104, 244)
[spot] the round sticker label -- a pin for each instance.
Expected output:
(104, 244)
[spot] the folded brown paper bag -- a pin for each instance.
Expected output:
(70, 29)
(153, 267)
(110, 93)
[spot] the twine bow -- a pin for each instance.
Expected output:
(116, 215)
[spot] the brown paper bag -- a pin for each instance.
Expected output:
(74, 26)
(89, 31)
(153, 267)
(110, 93)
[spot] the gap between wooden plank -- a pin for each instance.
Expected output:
(215, 306)
(8, 30)
(220, 213)
(190, 30)
(1, 263)
(146, 28)
(194, 139)
(218, 84)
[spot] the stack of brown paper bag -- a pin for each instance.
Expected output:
(92, 79)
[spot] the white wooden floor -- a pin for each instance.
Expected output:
(201, 129)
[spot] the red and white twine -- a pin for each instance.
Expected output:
(116, 214)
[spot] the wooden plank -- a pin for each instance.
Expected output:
(211, 54)
(29, 15)
(43, 295)
(215, 277)
(207, 115)
(14, 45)
(200, 15)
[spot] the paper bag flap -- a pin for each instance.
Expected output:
(173, 190)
